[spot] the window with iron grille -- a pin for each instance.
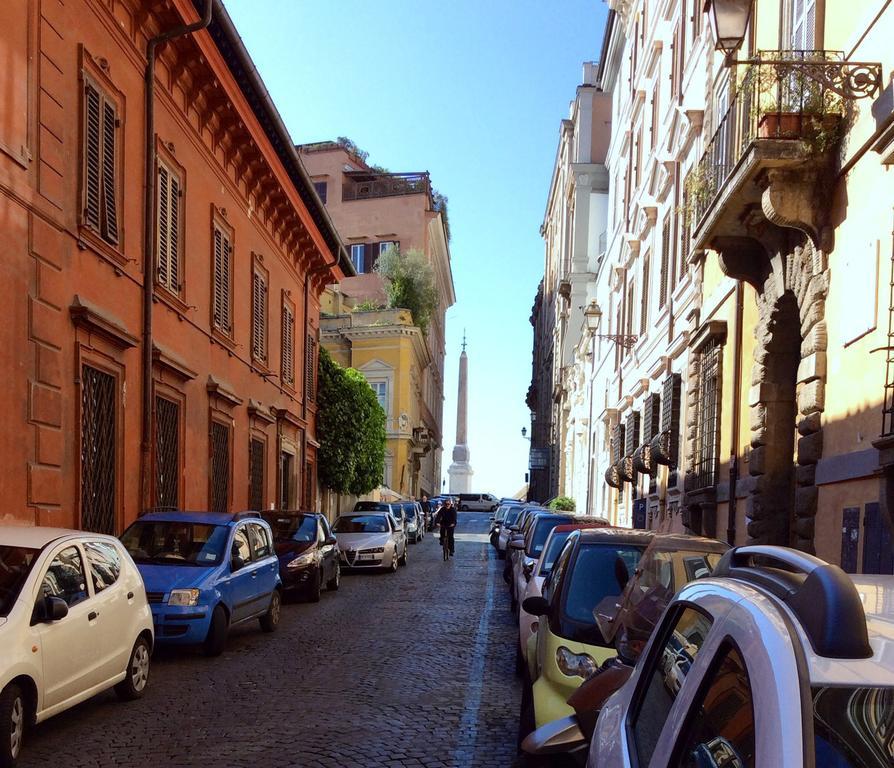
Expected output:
(222, 302)
(665, 262)
(670, 415)
(167, 453)
(644, 299)
(259, 316)
(256, 456)
(308, 485)
(321, 188)
(287, 357)
(220, 467)
(100, 164)
(310, 368)
(167, 229)
(617, 443)
(98, 451)
(708, 415)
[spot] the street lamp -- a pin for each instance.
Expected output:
(593, 317)
(524, 433)
(729, 18)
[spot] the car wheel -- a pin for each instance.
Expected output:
(315, 586)
(526, 722)
(270, 620)
(216, 638)
(393, 567)
(332, 584)
(463, 507)
(403, 560)
(133, 686)
(13, 717)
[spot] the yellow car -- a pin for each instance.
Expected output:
(568, 646)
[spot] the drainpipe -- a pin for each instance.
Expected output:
(149, 241)
(737, 412)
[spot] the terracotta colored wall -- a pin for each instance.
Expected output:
(49, 260)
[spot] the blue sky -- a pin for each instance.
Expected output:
(472, 91)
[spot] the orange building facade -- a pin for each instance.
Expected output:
(195, 391)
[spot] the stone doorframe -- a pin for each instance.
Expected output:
(784, 259)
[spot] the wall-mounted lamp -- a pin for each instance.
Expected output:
(729, 19)
(593, 317)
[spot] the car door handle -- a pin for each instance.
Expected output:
(254, 574)
(92, 615)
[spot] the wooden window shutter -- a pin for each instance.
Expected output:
(644, 299)
(92, 156)
(310, 367)
(288, 345)
(218, 298)
(259, 317)
(176, 271)
(227, 285)
(109, 175)
(665, 263)
(168, 270)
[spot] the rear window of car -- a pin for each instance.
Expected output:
(853, 727)
(175, 542)
(511, 517)
(372, 506)
(361, 524)
(600, 570)
(292, 528)
(15, 565)
(542, 527)
(552, 551)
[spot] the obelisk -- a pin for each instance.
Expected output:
(460, 471)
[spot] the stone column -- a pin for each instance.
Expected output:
(460, 471)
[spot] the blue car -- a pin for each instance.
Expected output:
(205, 572)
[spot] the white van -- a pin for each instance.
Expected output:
(478, 502)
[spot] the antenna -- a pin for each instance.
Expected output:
(464, 339)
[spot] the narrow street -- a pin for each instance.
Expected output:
(410, 669)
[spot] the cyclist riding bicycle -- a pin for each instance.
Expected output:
(446, 518)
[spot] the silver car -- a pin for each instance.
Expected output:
(509, 520)
(370, 539)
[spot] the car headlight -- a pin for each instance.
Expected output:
(377, 550)
(304, 559)
(183, 597)
(574, 664)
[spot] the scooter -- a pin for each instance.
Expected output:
(571, 735)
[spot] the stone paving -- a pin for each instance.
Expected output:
(406, 669)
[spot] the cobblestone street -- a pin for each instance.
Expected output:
(393, 670)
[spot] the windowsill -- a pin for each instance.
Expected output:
(87, 238)
(171, 300)
(219, 337)
(288, 386)
(260, 367)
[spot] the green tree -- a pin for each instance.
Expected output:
(410, 283)
(562, 504)
(351, 430)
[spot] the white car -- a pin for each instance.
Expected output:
(370, 540)
(778, 659)
(74, 621)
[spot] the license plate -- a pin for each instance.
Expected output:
(367, 557)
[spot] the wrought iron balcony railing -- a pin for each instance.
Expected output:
(781, 95)
(370, 185)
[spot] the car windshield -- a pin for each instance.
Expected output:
(175, 542)
(599, 570)
(15, 565)
(853, 727)
(410, 513)
(292, 528)
(552, 551)
(362, 524)
(542, 527)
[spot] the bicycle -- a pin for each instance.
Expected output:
(445, 547)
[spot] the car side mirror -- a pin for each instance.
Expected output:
(536, 605)
(49, 609)
(236, 562)
(330, 540)
(518, 543)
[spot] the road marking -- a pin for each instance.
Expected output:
(464, 753)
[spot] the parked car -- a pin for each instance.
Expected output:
(206, 572)
(569, 646)
(528, 549)
(413, 516)
(506, 530)
(74, 621)
(371, 539)
(477, 502)
(515, 545)
(626, 623)
(555, 540)
(790, 667)
(307, 552)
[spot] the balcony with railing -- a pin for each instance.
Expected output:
(786, 113)
(366, 185)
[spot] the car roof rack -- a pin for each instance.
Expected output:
(821, 595)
